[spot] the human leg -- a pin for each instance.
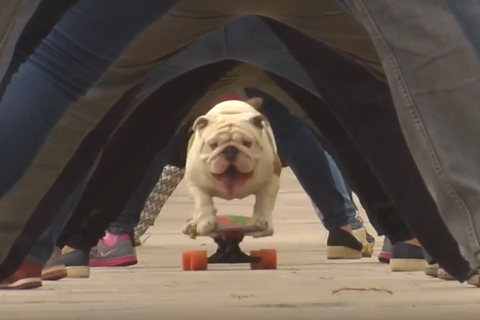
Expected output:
(315, 175)
(38, 76)
(45, 17)
(166, 185)
(116, 247)
(156, 125)
(130, 216)
(375, 136)
(40, 254)
(14, 15)
(423, 97)
(365, 181)
(81, 71)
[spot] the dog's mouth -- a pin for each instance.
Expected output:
(232, 179)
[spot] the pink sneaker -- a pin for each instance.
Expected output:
(113, 250)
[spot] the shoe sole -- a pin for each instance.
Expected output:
(336, 253)
(54, 274)
(407, 265)
(23, 284)
(444, 275)
(78, 272)
(118, 262)
(431, 271)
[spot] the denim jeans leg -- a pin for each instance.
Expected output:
(313, 171)
(45, 17)
(43, 249)
(14, 16)
(431, 67)
(342, 188)
(353, 221)
(373, 218)
(131, 214)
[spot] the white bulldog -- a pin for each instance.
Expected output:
(232, 154)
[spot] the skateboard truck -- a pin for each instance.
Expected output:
(229, 251)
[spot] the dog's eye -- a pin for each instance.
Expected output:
(247, 144)
(214, 146)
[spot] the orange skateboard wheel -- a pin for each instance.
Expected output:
(255, 254)
(198, 260)
(268, 262)
(186, 261)
(269, 259)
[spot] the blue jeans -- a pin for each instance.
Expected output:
(317, 173)
(372, 218)
(47, 14)
(14, 15)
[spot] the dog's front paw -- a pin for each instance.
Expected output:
(206, 224)
(203, 226)
(264, 227)
(190, 228)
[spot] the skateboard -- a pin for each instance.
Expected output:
(230, 233)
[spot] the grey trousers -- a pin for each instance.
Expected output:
(435, 81)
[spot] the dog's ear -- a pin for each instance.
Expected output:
(200, 123)
(256, 103)
(258, 121)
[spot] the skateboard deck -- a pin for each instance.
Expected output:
(233, 225)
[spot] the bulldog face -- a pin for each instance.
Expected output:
(232, 142)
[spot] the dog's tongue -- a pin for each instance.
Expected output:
(231, 181)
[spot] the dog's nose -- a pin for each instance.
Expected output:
(230, 153)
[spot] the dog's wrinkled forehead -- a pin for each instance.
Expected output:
(231, 114)
(243, 124)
